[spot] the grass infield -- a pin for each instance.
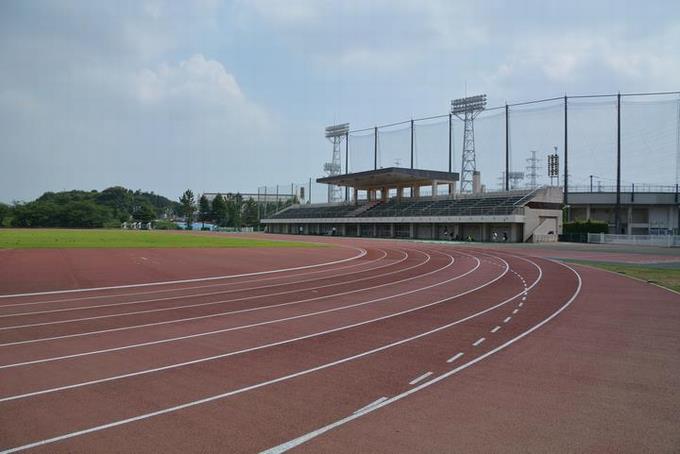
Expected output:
(57, 238)
(665, 277)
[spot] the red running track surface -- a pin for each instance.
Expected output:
(367, 346)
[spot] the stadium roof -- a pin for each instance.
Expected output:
(391, 176)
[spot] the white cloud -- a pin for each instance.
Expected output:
(582, 59)
(196, 77)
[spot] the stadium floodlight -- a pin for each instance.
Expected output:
(470, 104)
(467, 109)
(337, 130)
(336, 134)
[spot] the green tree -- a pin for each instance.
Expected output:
(188, 204)
(143, 212)
(220, 213)
(5, 213)
(204, 210)
(250, 213)
(234, 208)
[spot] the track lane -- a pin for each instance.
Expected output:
(86, 272)
(175, 302)
(326, 318)
(65, 326)
(373, 255)
(259, 361)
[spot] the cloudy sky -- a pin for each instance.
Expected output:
(228, 96)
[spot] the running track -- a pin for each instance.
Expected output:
(369, 345)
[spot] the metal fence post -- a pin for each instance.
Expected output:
(450, 144)
(412, 126)
(507, 148)
(375, 148)
(346, 164)
(566, 158)
(617, 215)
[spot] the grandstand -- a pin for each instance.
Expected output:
(388, 212)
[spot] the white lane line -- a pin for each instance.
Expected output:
(219, 302)
(372, 404)
(200, 279)
(524, 298)
(495, 330)
(309, 436)
(521, 304)
(252, 325)
(181, 289)
(507, 319)
(223, 284)
(274, 344)
(515, 311)
(454, 357)
(167, 322)
(110, 330)
(224, 292)
(479, 341)
(421, 378)
(308, 371)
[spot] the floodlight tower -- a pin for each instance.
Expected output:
(467, 109)
(335, 134)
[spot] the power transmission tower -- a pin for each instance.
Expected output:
(335, 134)
(467, 109)
(532, 170)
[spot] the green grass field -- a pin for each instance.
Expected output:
(56, 238)
(665, 277)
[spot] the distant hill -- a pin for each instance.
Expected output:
(88, 209)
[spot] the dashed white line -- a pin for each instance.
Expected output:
(495, 329)
(479, 341)
(524, 298)
(283, 447)
(515, 311)
(521, 304)
(507, 319)
(421, 378)
(454, 357)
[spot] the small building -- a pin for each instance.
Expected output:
(389, 203)
(644, 210)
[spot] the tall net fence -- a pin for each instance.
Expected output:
(533, 128)
(650, 140)
(431, 144)
(361, 151)
(394, 146)
(649, 143)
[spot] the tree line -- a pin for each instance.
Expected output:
(88, 209)
(115, 205)
(224, 211)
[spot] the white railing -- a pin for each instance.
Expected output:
(543, 238)
(639, 240)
